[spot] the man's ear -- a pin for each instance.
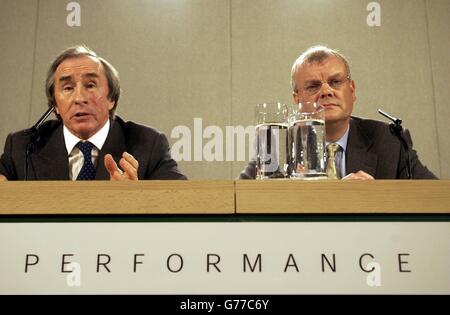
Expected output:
(111, 105)
(296, 98)
(353, 87)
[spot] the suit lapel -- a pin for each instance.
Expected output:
(51, 162)
(358, 155)
(114, 145)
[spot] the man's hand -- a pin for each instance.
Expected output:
(3, 178)
(128, 164)
(360, 175)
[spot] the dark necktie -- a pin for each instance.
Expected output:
(332, 171)
(87, 171)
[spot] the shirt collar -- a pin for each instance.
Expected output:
(342, 140)
(97, 139)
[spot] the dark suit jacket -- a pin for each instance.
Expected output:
(374, 149)
(49, 159)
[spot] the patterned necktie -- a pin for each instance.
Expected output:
(332, 149)
(87, 171)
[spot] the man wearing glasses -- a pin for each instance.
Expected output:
(363, 148)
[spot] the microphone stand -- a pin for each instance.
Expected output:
(34, 133)
(397, 129)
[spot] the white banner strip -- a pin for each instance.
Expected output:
(225, 258)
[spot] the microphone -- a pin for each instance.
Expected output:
(397, 122)
(41, 120)
(397, 129)
(34, 138)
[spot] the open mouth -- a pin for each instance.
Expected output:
(81, 115)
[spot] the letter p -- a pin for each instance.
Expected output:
(31, 260)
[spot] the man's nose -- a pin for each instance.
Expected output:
(326, 90)
(80, 95)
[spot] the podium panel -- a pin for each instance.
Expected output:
(105, 197)
(377, 196)
(226, 258)
(224, 237)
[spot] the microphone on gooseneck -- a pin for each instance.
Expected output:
(41, 120)
(397, 129)
(34, 133)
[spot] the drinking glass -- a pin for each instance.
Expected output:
(307, 141)
(271, 140)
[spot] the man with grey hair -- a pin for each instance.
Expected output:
(361, 148)
(88, 141)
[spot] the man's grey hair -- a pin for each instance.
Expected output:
(112, 76)
(316, 54)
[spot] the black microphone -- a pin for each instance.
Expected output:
(34, 138)
(41, 120)
(397, 129)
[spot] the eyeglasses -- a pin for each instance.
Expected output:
(335, 83)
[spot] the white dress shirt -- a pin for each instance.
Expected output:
(76, 157)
